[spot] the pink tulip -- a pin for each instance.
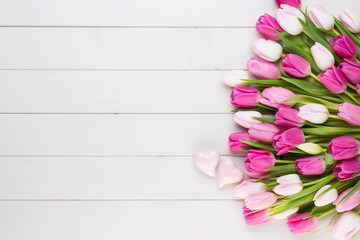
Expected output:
(260, 200)
(266, 49)
(343, 147)
(324, 59)
(246, 118)
(273, 97)
(263, 132)
(287, 139)
(294, 3)
(321, 17)
(351, 70)
(288, 185)
(259, 160)
(344, 46)
(343, 170)
(255, 218)
(288, 18)
(350, 20)
(266, 25)
(233, 78)
(349, 113)
(234, 141)
(349, 203)
(322, 199)
(263, 69)
(358, 88)
(333, 80)
(346, 226)
(300, 224)
(296, 65)
(310, 166)
(245, 97)
(288, 117)
(248, 188)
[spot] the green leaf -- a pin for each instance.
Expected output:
(339, 26)
(337, 185)
(287, 205)
(266, 120)
(317, 211)
(258, 145)
(288, 167)
(329, 131)
(304, 99)
(329, 160)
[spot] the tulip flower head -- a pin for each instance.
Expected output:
(324, 59)
(299, 224)
(255, 218)
(274, 97)
(286, 214)
(310, 166)
(234, 141)
(246, 118)
(333, 80)
(350, 20)
(288, 117)
(314, 113)
(260, 200)
(259, 160)
(322, 199)
(288, 18)
(346, 226)
(296, 65)
(233, 78)
(268, 50)
(349, 113)
(287, 139)
(344, 46)
(263, 69)
(349, 203)
(245, 97)
(344, 170)
(294, 3)
(266, 25)
(321, 17)
(343, 147)
(248, 187)
(351, 70)
(263, 132)
(288, 185)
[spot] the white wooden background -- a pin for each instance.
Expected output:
(103, 103)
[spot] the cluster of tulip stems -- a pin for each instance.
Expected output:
(302, 115)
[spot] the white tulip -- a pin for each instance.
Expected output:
(248, 188)
(266, 49)
(346, 226)
(321, 17)
(324, 59)
(288, 185)
(310, 148)
(350, 20)
(245, 118)
(287, 17)
(286, 214)
(314, 113)
(326, 198)
(233, 78)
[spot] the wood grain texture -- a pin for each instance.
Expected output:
(109, 135)
(125, 48)
(113, 92)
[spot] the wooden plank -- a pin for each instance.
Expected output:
(107, 178)
(125, 48)
(113, 135)
(113, 92)
(163, 220)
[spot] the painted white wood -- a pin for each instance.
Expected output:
(125, 48)
(113, 92)
(107, 178)
(163, 220)
(108, 135)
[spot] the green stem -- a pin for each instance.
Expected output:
(314, 182)
(334, 116)
(327, 213)
(315, 77)
(313, 125)
(336, 32)
(357, 60)
(352, 97)
(284, 161)
(352, 86)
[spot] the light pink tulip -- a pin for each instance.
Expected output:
(263, 69)
(349, 203)
(299, 224)
(321, 199)
(263, 132)
(314, 113)
(288, 18)
(350, 20)
(233, 78)
(248, 188)
(245, 118)
(255, 218)
(321, 17)
(260, 200)
(324, 59)
(346, 226)
(267, 49)
(349, 113)
(273, 97)
(288, 185)
(266, 25)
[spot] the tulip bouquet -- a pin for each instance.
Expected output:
(302, 115)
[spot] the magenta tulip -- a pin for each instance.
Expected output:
(263, 69)
(255, 218)
(259, 160)
(234, 141)
(287, 139)
(344, 170)
(294, 3)
(349, 203)
(333, 80)
(263, 132)
(351, 70)
(344, 46)
(349, 113)
(274, 97)
(266, 25)
(288, 117)
(300, 224)
(296, 65)
(245, 97)
(358, 88)
(343, 147)
(310, 166)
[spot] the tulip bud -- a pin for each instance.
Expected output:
(296, 65)
(233, 78)
(349, 113)
(299, 224)
(346, 226)
(260, 200)
(333, 80)
(266, 25)
(287, 139)
(287, 17)
(273, 97)
(255, 218)
(294, 3)
(350, 20)
(344, 170)
(310, 148)
(349, 203)
(288, 185)
(267, 49)
(343, 147)
(321, 17)
(234, 141)
(263, 69)
(246, 118)
(310, 166)
(263, 132)
(324, 59)
(350, 70)
(314, 113)
(259, 160)
(322, 199)
(286, 214)
(288, 117)
(344, 46)
(245, 97)
(248, 188)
